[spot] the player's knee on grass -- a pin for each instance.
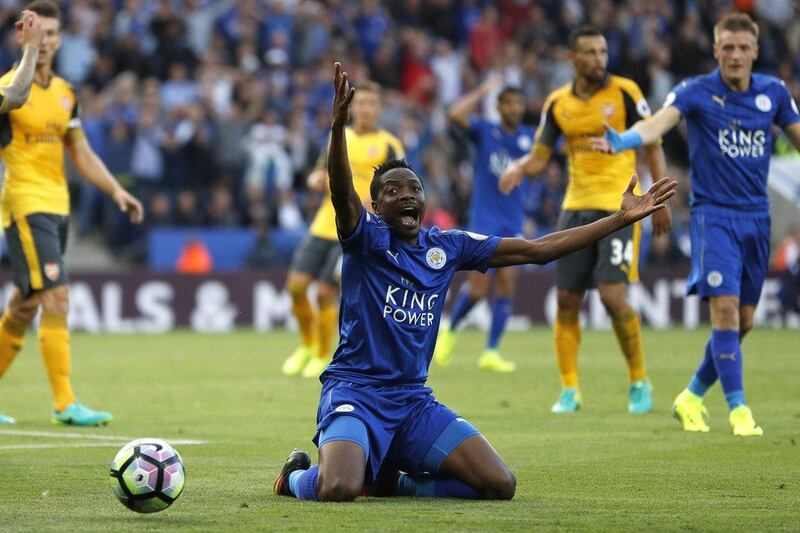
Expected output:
(333, 488)
(343, 453)
(501, 485)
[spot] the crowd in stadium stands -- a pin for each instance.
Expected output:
(213, 112)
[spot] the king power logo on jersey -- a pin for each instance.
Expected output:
(737, 142)
(407, 306)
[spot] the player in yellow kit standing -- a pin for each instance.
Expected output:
(577, 112)
(35, 202)
(318, 256)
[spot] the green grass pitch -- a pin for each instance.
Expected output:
(600, 469)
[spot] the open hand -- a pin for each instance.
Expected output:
(342, 97)
(28, 29)
(636, 207)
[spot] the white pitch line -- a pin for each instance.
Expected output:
(88, 436)
(185, 442)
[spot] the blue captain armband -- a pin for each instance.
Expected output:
(626, 140)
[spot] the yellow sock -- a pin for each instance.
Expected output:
(304, 314)
(328, 320)
(12, 332)
(629, 335)
(54, 345)
(567, 337)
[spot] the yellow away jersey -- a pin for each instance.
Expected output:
(365, 152)
(596, 180)
(32, 142)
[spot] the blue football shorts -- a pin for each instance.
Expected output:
(406, 428)
(730, 255)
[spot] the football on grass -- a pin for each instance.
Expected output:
(148, 475)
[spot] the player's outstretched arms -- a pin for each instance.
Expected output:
(558, 244)
(93, 170)
(643, 133)
(28, 34)
(527, 165)
(345, 200)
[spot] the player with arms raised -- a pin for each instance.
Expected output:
(577, 111)
(35, 202)
(375, 413)
(491, 212)
(317, 258)
(729, 115)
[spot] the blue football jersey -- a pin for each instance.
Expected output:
(392, 299)
(495, 148)
(730, 138)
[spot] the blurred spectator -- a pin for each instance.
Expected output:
(187, 209)
(263, 254)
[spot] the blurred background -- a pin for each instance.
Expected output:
(214, 112)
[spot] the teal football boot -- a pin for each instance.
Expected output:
(76, 414)
(640, 397)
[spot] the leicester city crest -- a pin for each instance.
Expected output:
(436, 258)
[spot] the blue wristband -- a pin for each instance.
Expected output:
(623, 141)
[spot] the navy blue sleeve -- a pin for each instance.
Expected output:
(682, 97)
(474, 250)
(786, 113)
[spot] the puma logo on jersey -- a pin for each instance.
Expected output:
(393, 256)
(718, 99)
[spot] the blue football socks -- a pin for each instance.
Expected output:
(428, 486)
(462, 306)
(501, 310)
(727, 356)
(706, 373)
(303, 483)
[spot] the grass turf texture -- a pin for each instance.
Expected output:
(599, 469)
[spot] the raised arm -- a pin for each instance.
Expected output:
(558, 244)
(29, 35)
(462, 108)
(345, 199)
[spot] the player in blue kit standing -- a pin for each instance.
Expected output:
(491, 213)
(376, 418)
(729, 115)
